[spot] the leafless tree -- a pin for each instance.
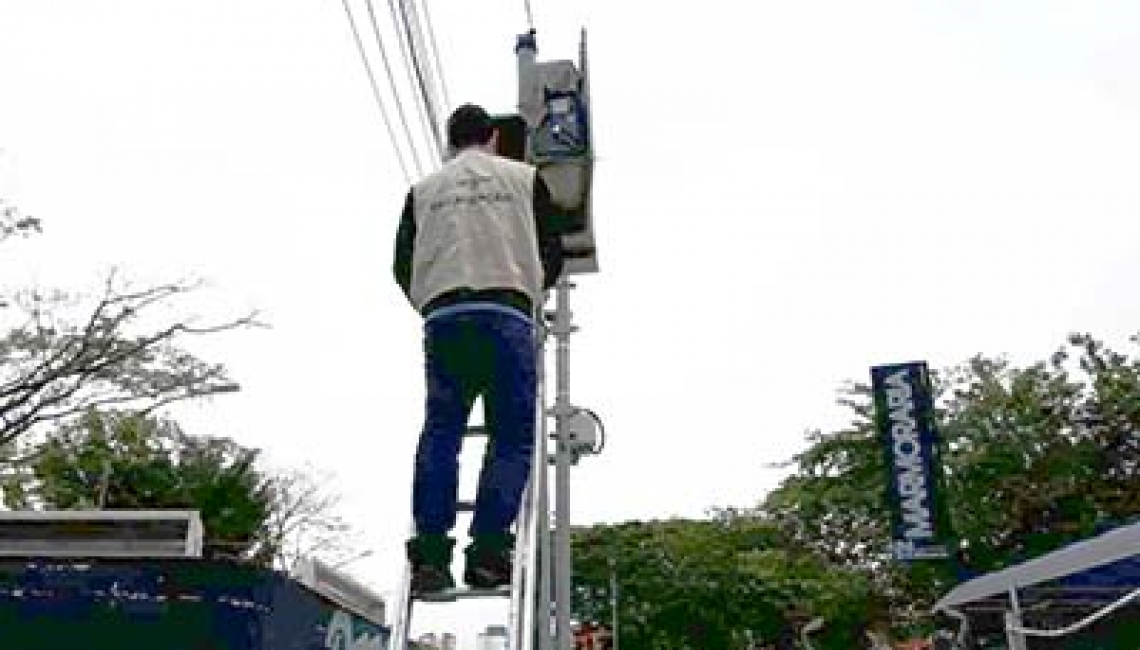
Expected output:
(123, 354)
(303, 521)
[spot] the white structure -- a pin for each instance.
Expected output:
(493, 638)
(101, 533)
(340, 588)
(1012, 589)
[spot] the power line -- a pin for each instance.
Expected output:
(425, 93)
(392, 85)
(376, 92)
(428, 69)
(420, 110)
(435, 53)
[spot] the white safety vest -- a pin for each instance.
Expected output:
(475, 228)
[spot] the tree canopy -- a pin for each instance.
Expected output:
(716, 583)
(1035, 456)
(125, 460)
(83, 380)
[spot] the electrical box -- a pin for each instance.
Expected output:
(554, 105)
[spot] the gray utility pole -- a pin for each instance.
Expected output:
(553, 102)
(614, 602)
(563, 567)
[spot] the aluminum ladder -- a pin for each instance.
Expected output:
(530, 588)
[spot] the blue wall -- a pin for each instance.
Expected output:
(169, 605)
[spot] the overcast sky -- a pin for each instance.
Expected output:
(787, 193)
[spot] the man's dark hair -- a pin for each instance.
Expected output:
(469, 125)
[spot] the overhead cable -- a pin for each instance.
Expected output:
(416, 58)
(424, 62)
(376, 92)
(408, 68)
(438, 60)
(392, 85)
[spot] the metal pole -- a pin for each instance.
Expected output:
(526, 52)
(549, 568)
(545, 551)
(562, 561)
(104, 483)
(1014, 638)
(614, 603)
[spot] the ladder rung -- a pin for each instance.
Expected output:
(452, 595)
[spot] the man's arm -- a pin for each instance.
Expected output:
(405, 247)
(549, 241)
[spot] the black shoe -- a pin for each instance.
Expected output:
(430, 556)
(427, 580)
(489, 561)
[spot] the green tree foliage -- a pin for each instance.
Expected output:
(717, 583)
(120, 460)
(1035, 457)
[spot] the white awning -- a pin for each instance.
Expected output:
(1113, 546)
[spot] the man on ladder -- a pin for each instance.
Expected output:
(475, 256)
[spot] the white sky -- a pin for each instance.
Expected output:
(787, 193)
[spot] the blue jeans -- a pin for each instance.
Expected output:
(474, 350)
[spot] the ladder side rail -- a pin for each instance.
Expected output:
(527, 564)
(402, 626)
(522, 583)
(519, 580)
(546, 555)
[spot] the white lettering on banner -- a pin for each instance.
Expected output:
(910, 475)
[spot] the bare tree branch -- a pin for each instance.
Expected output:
(53, 370)
(13, 223)
(303, 522)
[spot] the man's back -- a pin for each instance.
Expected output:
(474, 228)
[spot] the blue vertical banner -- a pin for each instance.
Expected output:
(904, 415)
